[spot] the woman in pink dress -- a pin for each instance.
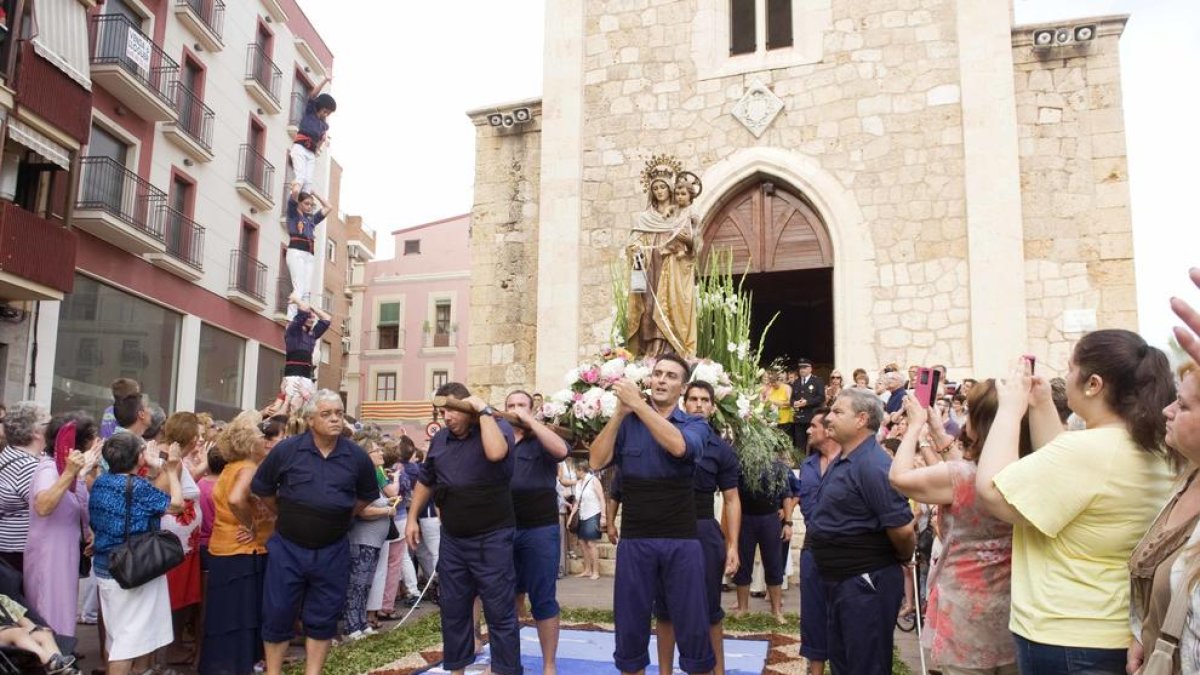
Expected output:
(58, 516)
(966, 627)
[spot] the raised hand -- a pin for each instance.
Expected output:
(1189, 337)
(1014, 390)
(628, 393)
(917, 414)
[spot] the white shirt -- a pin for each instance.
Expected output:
(589, 503)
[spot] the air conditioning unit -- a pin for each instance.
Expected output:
(345, 345)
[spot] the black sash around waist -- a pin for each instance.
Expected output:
(842, 557)
(472, 510)
(535, 508)
(298, 364)
(658, 508)
(301, 244)
(760, 504)
(704, 506)
(311, 526)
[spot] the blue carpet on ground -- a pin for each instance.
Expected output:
(584, 652)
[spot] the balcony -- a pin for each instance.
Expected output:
(263, 78)
(119, 207)
(385, 341)
(185, 246)
(37, 256)
(275, 10)
(206, 20)
(255, 175)
(247, 281)
(132, 68)
(44, 89)
(327, 303)
(296, 111)
(194, 130)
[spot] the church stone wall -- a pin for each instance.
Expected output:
(1074, 190)
(504, 232)
(879, 112)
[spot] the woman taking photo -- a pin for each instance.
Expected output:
(967, 620)
(138, 620)
(237, 556)
(1080, 503)
(58, 500)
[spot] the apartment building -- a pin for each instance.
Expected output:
(348, 242)
(180, 201)
(410, 332)
(45, 112)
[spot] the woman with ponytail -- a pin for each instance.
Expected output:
(1082, 501)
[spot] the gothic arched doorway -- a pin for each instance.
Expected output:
(781, 242)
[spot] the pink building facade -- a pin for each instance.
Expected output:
(412, 324)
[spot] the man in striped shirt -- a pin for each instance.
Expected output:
(25, 427)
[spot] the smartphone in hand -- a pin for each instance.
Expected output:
(927, 386)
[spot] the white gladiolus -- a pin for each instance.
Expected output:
(743, 406)
(708, 372)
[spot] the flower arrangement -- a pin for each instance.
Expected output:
(587, 402)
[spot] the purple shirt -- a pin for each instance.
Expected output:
(296, 339)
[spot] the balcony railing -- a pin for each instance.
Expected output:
(327, 303)
(296, 109)
(256, 171)
(106, 185)
(440, 339)
(210, 12)
(184, 238)
(116, 41)
(44, 89)
(263, 70)
(247, 275)
(195, 118)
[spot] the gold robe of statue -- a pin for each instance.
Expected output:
(663, 319)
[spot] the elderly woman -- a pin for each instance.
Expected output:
(58, 500)
(138, 619)
(967, 621)
(367, 539)
(1165, 563)
(1080, 503)
(25, 427)
(834, 388)
(237, 555)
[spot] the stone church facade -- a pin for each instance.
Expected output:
(965, 189)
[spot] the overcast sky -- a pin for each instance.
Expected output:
(406, 73)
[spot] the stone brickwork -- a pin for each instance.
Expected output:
(504, 231)
(879, 118)
(1074, 190)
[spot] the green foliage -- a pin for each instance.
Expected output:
(723, 322)
(380, 649)
(619, 273)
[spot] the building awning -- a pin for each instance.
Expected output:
(60, 36)
(36, 141)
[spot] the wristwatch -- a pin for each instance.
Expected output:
(488, 410)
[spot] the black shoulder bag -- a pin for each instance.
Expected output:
(142, 557)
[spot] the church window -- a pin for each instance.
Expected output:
(744, 37)
(742, 27)
(779, 24)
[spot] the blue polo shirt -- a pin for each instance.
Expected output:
(471, 491)
(895, 402)
(535, 483)
(461, 462)
(810, 482)
(717, 468)
(855, 496)
(535, 468)
(658, 490)
(296, 471)
(638, 455)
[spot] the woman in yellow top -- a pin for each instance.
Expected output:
(237, 555)
(779, 395)
(1081, 502)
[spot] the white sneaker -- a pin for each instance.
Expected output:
(356, 635)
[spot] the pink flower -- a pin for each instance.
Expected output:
(591, 375)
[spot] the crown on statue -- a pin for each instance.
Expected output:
(660, 167)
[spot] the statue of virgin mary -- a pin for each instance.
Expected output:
(662, 248)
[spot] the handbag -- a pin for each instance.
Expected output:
(143, 556)
(1162, 659)
(573, 521)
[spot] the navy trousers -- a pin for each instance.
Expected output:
(677, 567)
(712, 543)
(862, 620)
(762, 532)
(309, 582)
(479, 566)
(1035, 658)
(535, 555)
(814, 615)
